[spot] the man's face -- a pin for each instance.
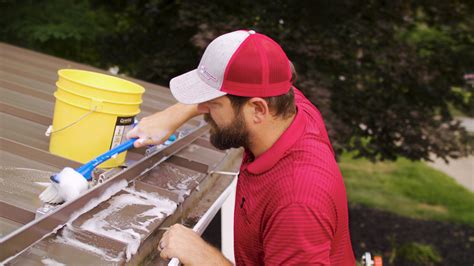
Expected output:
(228, 128)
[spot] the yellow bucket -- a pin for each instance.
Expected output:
(92, 114)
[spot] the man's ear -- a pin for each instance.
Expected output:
(258, 109)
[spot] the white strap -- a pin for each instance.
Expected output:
(50, 130)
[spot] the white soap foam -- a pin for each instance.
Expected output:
(192, 148)
(153, 166)
(165, 205)
(51, 262)
(71, 184)
(182, 188)
(109, 192)
(67, 237)
(104, 222)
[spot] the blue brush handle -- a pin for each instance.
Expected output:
(86, 169)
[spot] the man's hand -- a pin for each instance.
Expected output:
(152, 130)
(157, 128)
(186, 245)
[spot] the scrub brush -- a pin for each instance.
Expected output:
(70, 183)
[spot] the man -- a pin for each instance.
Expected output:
(291, 205)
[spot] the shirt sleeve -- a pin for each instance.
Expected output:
(298, 234)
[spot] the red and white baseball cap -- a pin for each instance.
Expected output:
(241, 63)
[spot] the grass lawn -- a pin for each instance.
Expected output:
(407, 188)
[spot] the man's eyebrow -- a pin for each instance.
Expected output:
(213, 102)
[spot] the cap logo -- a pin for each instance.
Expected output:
(206, 74)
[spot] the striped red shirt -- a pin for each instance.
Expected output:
(291, 205)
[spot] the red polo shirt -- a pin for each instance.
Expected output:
(291, 205)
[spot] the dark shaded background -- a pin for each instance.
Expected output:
(386, 75)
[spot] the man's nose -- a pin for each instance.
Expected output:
(203, 108)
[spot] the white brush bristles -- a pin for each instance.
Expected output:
(71, 185)
(51, 194)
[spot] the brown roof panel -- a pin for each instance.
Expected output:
(163, 184)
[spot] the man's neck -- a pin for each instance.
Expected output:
(263, 139)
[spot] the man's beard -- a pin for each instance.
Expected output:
(234, 135)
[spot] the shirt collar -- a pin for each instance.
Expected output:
(270, 157)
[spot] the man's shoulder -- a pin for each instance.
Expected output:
(305, 104)
(310, 174)
(312, 149)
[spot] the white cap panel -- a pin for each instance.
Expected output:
(214, 62)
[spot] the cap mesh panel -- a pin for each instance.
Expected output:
(246, 66)
(277, 63)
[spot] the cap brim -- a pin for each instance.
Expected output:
(188, 88)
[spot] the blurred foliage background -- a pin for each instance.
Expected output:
(386, 75)
(390, 79)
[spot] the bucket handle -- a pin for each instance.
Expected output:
(50, 130)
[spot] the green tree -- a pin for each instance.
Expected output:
(65, 28)
(383, 73)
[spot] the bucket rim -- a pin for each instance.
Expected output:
(105, 101)
(62, 74)
(59, 98)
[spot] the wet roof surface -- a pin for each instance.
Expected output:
(27, 84)
(122, 228)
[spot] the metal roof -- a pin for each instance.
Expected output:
(187, 173)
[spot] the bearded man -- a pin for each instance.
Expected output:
(291, 205)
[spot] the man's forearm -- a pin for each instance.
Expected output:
(218, 258)
(186, 245)
(156, 128)
(181, 113)
(208, 255)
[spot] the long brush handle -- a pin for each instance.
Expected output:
(86, 169)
